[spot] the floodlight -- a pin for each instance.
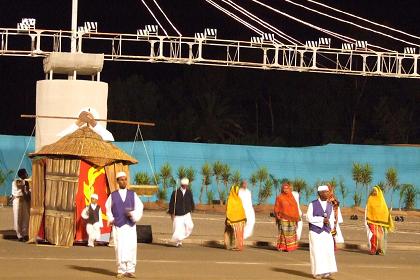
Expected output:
(347, 46)
(324, 42)
(210, 33)
(26, 24)
(311, 44)
(409, 50)
(361, 45)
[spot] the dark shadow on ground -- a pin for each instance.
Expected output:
(357, 251)
(293, 272)
(214, 244)
(93, 269)
(8, 234)
(160, 244)
(270, 248)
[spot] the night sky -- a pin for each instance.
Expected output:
(18, 75)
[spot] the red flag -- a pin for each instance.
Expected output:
(92, 179)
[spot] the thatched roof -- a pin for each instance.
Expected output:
(86, 144)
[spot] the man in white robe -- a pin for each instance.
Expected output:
(246, 198)
(88, 116)
(124, 209)
(92, 214)
(180, 207)
(21, 205)
(300, 222)
(320, 216)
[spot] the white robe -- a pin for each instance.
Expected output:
(93, 230)
(98, 128)
(20, 224)
(339, 236)
(300, 222)
(182, 227)
(321, 246)
(125, 237)
(246, 198)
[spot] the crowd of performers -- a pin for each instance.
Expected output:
(124, 209)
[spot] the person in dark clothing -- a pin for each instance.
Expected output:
(180, 207)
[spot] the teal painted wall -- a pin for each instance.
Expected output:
(309, 163)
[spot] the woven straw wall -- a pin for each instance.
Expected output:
(61, 183)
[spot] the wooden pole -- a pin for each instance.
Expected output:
(99, 120)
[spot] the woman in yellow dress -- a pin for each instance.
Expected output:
(378, 221)
(235, 221)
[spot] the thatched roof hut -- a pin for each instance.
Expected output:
(63, 175)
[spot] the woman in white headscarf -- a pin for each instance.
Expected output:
(246, 197)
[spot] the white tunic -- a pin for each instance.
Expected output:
(339, 236)
(246, 198)
(125, 237)
(300, 222)
(321, 246)
(20, 224)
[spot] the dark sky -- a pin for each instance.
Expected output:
(18, 76)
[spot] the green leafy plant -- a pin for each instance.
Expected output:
(206, 173)
(357, 199)
(190, 174)
(142, 178)
(343, 190)
(391, 177)
(235, 178)
(165, 175)
(3, 177)
(210, 197)
(217, 172)
(226, 176)
(182, 172)
(265, 192)
(410, 197)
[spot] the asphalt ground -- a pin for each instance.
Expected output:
(202, 255)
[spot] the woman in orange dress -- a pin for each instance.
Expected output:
(287, 216)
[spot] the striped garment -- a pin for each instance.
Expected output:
(378, 237)
(287, 238)
(234, 236)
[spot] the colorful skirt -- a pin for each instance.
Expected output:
(234, 236)
(287, 237)
(377, 239)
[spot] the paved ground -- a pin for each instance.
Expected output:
(202, 257)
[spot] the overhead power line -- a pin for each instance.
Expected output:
(153, 15)
(263, 23)
(173, 26)
(250, 26)
(349, 22)
(363, 19)
(329, 32)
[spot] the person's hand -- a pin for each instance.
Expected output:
(326, 221)
(82, 119)
(110, 223)
(90, 119)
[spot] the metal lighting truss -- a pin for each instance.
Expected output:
(258, 53)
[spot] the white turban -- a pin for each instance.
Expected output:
(121, 174)
(323, 188)
(185, 182)
(94, 195)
